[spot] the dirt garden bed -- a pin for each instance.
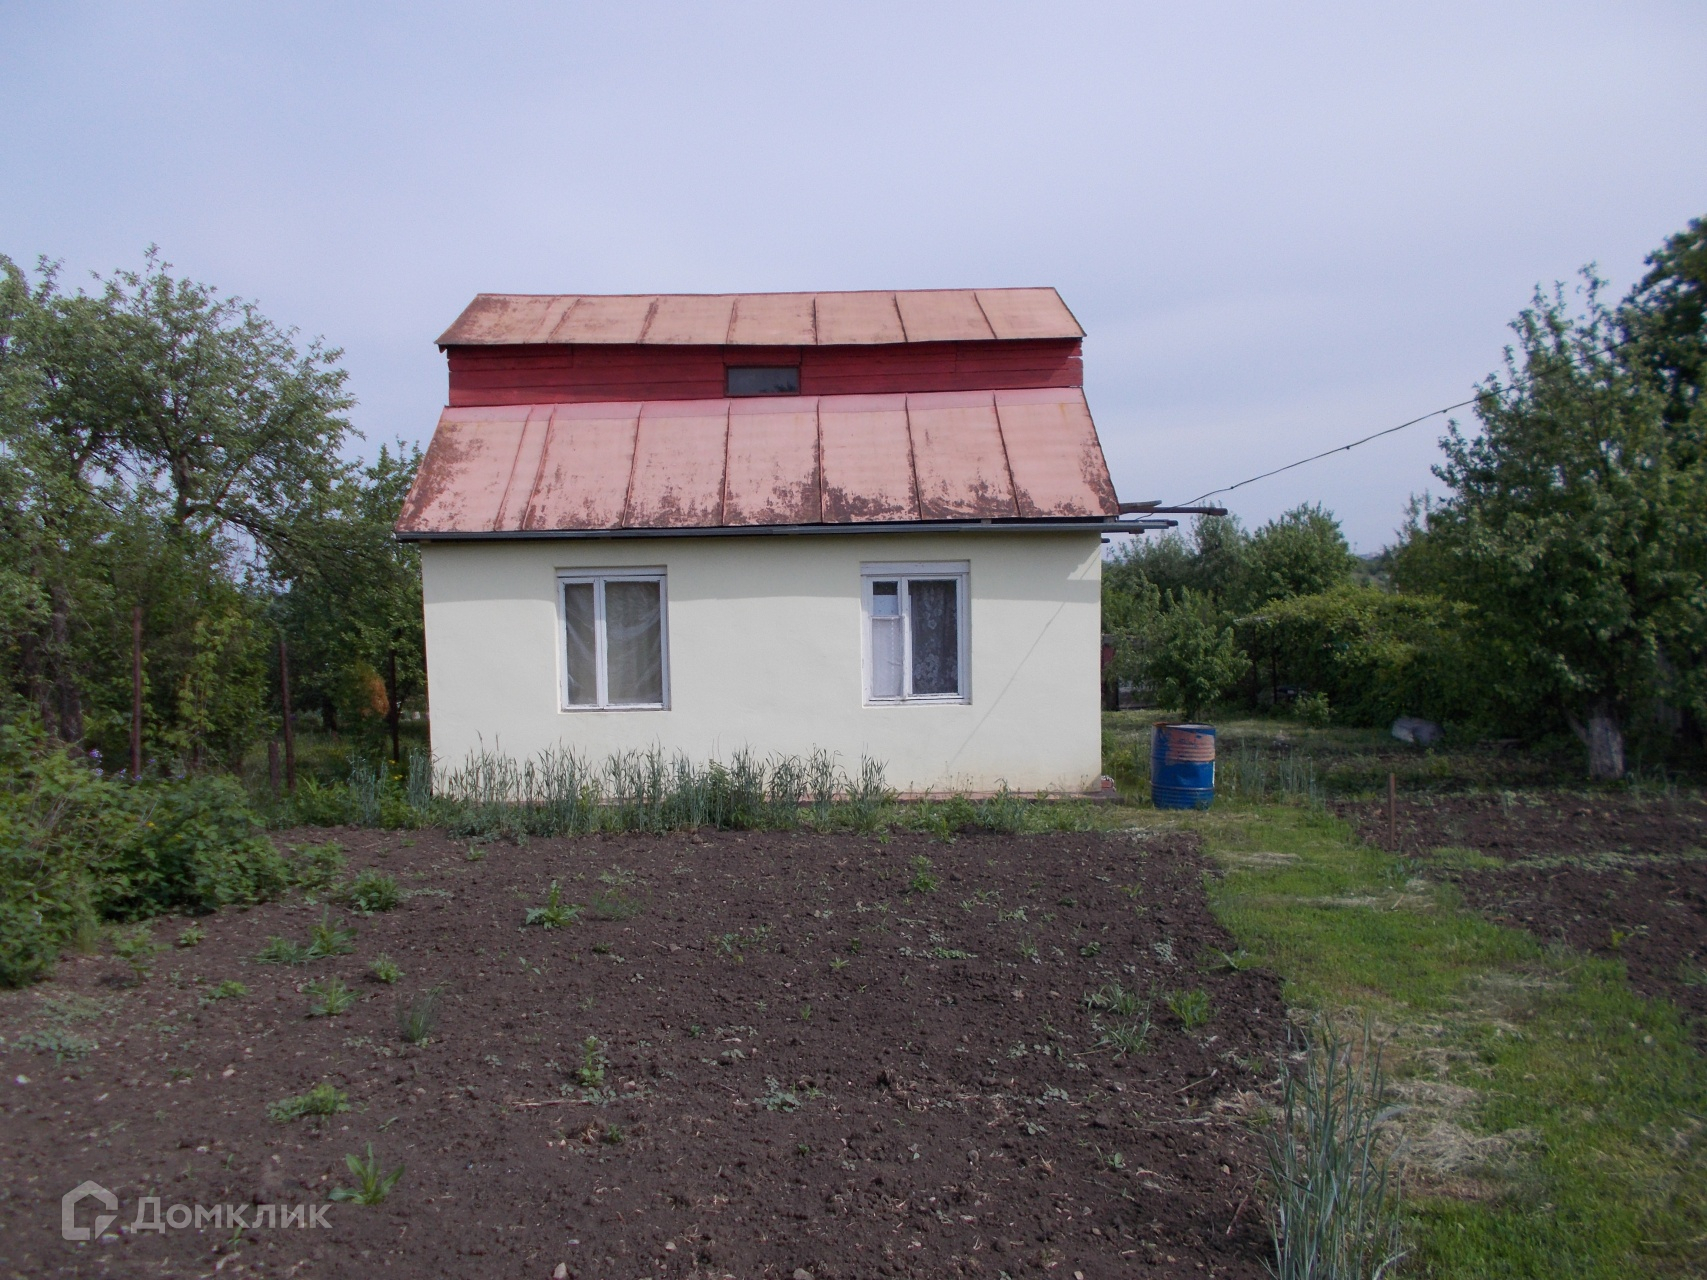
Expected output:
(811, 1053)
(1622, 876)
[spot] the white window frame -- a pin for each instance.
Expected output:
(903, 571)
(598, 578)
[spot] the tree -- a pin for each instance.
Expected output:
(1189, 655)
(1577, 525)
(164, 447)
(1302, 553)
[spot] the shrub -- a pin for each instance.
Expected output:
(194, 847)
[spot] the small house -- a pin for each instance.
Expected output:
(868, 523)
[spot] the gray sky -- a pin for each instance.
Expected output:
(1282, 225)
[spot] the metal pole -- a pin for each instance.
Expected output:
(136, 692)
(289, 729)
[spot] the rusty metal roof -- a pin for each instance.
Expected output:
(764, 319)
(534, 470)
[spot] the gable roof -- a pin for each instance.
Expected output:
(726, 465)
(764, 319)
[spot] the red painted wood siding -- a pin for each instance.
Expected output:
(541, 374)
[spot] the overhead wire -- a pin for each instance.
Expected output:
(1330, 452)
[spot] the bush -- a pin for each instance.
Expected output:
(1370, 654)
(54, 816)
(194, 847)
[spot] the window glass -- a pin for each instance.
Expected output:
(578, 621)
(634, 653)
(783, 381)
(936, 636)
(888, 658)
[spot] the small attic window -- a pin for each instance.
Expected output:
(766, 380)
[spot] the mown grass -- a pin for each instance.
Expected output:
(1582, 1106)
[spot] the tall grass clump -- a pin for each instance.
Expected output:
(561, 792)
(1334, 1204)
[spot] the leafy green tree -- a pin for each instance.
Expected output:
(1576, 526)
(1189, 655)
(353, 608)
(160, 447)
(1664, 321)
(1301, 553)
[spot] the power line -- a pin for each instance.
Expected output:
(1329, 453)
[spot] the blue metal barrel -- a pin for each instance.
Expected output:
(1182, 766)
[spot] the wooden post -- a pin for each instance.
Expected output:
(1392, 812)
(289, 729)
(136, 692)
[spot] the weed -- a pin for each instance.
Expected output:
(372, 890)
(373, 1184)
(384, 969)
(417, 1015)
(1017, 914)
(328, 997)
(591, 1073)
(776, 1098)
(613, 1136)
(1115, 1161)
(227, 990)
(1116, 1000)
(838, 964)
(951, 953)
(65, 1046)
(190, 936)
(1192, 1007)
(282, 951)
(1333, 1212)
(613, 904)
(317, 867)
(322, 1100)
(327, 939)
(1028, 951)
(806, 1013)
(1091, 949)
(1126, 1037)
(1232, 961)
(1692, 973)
(923, 881)
(555, 914)
(137, 948)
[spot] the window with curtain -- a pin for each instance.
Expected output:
(615, 640)
(916, 634)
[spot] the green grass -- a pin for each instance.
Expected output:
(1595, 1095)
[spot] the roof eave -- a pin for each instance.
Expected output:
(1075, 524)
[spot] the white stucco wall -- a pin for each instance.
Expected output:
(764, 652)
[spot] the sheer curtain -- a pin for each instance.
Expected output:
(583, 650)
(634, 643)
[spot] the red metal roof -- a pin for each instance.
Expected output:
(794, 460)
(764, 319)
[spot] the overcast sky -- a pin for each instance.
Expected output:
(1283, 226)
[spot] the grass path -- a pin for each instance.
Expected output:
(1557, 1121)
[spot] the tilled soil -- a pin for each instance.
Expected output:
(1618, 876)
(819, 1055)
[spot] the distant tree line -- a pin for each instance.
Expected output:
(1560, 584)
(167, 449)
